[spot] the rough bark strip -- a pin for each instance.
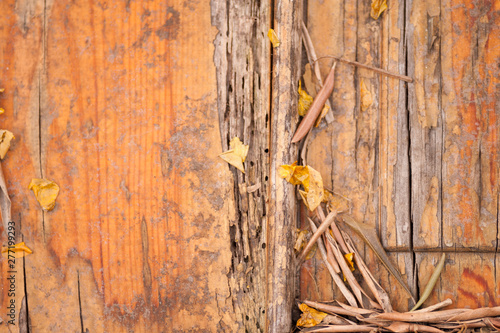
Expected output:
(281, 209)
(243, 61)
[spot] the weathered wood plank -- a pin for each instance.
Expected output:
(20, 51)
(470, 148)
(469, 279)
(243, 61)
(426, 134)
(140, 231)
(281, 208)
(364, 153)
(394, 169)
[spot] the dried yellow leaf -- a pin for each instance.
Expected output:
(45, 191)
(236, 155)
(349, 258)
(2, 111)
(305, 101)
(366, 96)
(378, 7)
(310, 317)
(5, 139)
(273, 38)
(322, 115)
(18, 251)
(307, 177)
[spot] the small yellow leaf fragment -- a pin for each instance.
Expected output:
(2, 111)
(45, 191)
(5, 139)
(310, 317)
(349, 258)
(236, 155)
(378, 7)
(18, 251)
(322, 115)
(305, 101)
(273, 38)
(366, 96)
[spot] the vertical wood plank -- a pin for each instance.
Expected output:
(140, 231)
(281, 209)
(469, 93)
(243, 62)
(426, 134)
(20, 51)
(394, 169)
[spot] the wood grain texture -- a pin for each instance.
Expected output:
(117, 103)
(470, 148)
(364, 154)
(470, 280)
(21, 30)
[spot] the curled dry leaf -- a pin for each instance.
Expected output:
(273, 37)
(236, 154)
(378, 7)
(366, 96)
(5, 139)
(310, 317)
(305, 101)
(18, 251)
(45, 191)
(309, 178)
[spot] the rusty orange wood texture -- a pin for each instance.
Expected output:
(421, 163)
(116, 102)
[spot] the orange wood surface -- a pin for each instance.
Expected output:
(116, 102)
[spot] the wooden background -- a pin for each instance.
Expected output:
(126, 105)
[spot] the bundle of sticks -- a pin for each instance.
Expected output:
(373, 312)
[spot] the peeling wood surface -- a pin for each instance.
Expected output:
(421, 162)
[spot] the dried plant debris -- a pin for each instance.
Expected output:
(430, 285)
(236, 155)
(45, 191)
(5, 139)
(305, 101)
(17, 251)
(309, 178)
(378, 7)
(310, 317)
(273, 37)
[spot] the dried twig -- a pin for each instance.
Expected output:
(308, 121)
(324, 226)
(311, 56)
(338, 281)
(437, 306)
(375, 69)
